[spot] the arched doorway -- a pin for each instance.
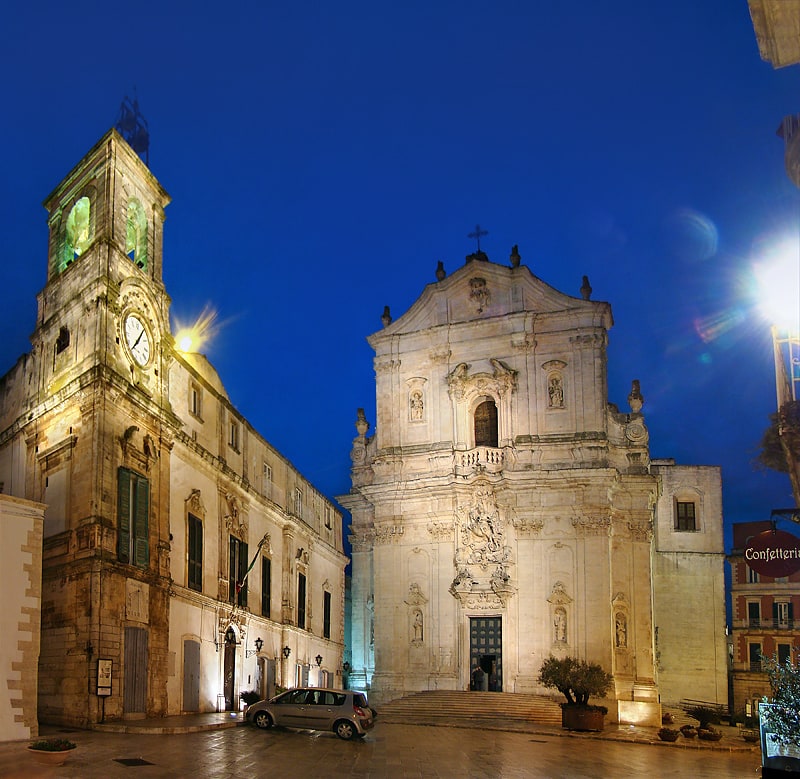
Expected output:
(230, 669)
(485, 419)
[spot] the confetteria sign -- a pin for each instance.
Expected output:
(773, 553)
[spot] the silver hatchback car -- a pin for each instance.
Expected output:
(345, 712)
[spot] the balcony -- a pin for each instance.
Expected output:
(481, 459)
(765, 624)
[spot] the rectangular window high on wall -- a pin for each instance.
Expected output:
(133, 506)
(326, 615)
(195, 400)
(301, 601)
(685, 516)
(195, 564)
(266, 586)
(237, 569)
(782, 614)
(298, 502)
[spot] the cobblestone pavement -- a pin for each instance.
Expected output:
(389, 750)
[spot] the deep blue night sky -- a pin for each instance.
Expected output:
(322, 157)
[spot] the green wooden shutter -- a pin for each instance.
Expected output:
(141, 541)
(243, 573)
(123, 515)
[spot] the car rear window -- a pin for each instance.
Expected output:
(359, 699)
(332, 698)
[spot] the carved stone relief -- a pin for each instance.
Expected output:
(482, 553)
(592, 526)
(501, 381)
(234, 522)
(479, 293)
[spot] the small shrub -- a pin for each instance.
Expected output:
(250, 696)
(668, 734)
(53, 745)
(709, 734)
(704, 715)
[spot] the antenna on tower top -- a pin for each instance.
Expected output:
(132, 126)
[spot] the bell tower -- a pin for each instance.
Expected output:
(104, 302)
(97, 430)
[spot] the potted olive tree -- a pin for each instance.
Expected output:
(779, 717)
(577, 680)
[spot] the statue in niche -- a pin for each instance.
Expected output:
(621, 629)
(417, 406)
(418, 627)
(556, 392)
(560, 626)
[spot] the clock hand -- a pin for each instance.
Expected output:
(136, 342)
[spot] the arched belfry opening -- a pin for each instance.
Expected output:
(485, 420)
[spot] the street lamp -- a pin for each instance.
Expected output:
(259, 643)
(287, 651)
(318, 658)
(778, 283)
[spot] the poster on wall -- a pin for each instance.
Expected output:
(103, 677)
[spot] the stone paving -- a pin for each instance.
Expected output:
(212, 745)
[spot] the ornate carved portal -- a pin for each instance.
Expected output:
(483, 555)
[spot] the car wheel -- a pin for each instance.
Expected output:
(262, 720)
(345, 729)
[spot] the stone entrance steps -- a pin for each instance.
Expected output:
(461, 707)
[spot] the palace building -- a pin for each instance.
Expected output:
(504, 510)
(184, 559)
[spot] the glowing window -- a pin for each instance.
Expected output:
(136, 234)
(78, 232)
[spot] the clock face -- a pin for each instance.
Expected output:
(137, 339)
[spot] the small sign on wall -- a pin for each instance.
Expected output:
(103, 677)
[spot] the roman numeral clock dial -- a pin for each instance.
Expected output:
(137, 339)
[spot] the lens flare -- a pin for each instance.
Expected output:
(776, 278)
(691, 236)
(193, 337)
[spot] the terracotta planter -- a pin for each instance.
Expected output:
(668, 734)
(46, 757)
(579, 718)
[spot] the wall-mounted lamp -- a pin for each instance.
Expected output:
(346, 667)
(318, 658)
(259, 643)
(287, 651)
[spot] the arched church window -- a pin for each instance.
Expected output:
(136, 234)
(78, 231)
(485, 418)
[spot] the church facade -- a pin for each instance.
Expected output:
(504, 511)
(185, 560)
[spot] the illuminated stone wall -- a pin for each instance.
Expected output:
(20, 580)
(546, 525)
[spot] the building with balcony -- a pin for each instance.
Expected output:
(762, 620)
(504, 510)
